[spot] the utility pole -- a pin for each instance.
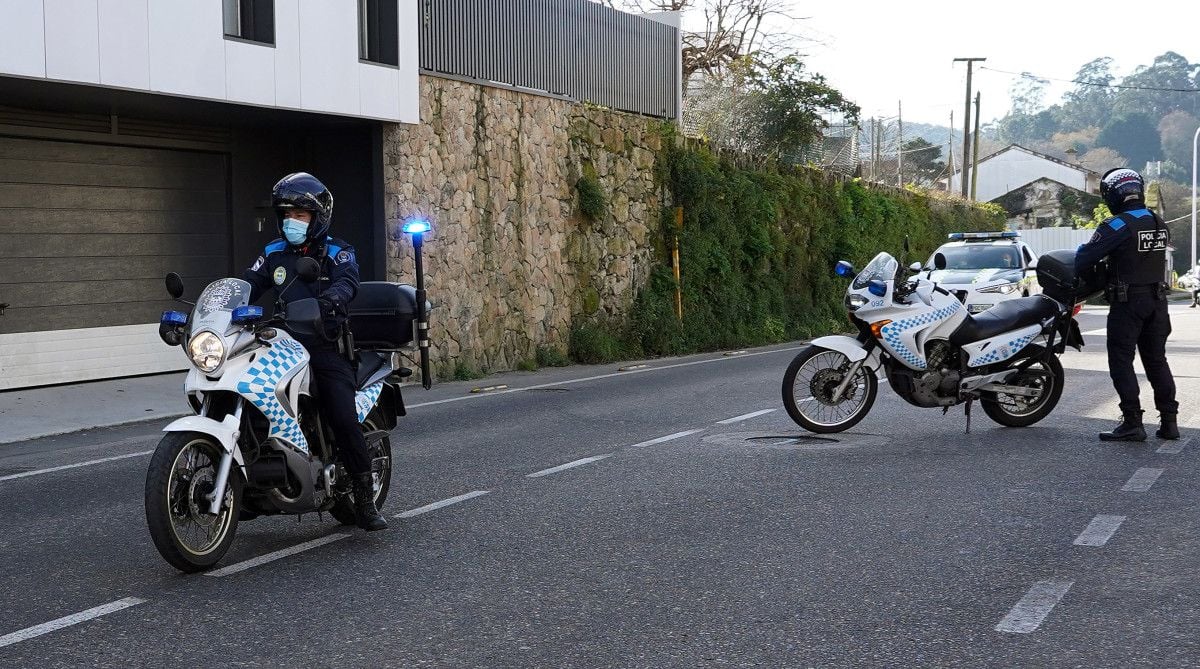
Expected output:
(900, 146)
(975, 150)
(950, 147)
(967, 121)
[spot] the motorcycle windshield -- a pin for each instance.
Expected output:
(882, 268)
(214, 309)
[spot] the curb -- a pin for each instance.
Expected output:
(75, 430)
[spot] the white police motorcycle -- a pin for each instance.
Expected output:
(920, 338)
(257, 444)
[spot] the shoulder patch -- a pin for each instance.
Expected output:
(343, 257)
(262, 260)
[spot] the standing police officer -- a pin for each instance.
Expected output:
(305, 208)
(1134, 241)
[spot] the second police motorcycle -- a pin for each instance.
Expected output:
(920, 339)
(257, 444)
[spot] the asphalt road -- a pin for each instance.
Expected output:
(906, 542)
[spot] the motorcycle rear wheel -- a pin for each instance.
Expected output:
(1017, 411)
(808, 386)
(381, 470)
(182, 471)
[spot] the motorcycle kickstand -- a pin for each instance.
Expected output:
(969, 401)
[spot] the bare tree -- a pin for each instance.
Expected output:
(732, 29)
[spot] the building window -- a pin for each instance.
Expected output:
(252, 20)
(379, 31)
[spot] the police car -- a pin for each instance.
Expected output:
(984, 268)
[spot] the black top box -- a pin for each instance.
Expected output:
(1056, 275)
(382, 315)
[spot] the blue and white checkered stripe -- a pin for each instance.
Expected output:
(261, 382)
(365, 399)
(892, 333)
(1004, 352)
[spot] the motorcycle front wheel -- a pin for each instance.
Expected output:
(810, 383)
(182, 474)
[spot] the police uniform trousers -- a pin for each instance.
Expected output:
(1141, 323)
(336, 390)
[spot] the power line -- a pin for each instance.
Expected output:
(1081, 82)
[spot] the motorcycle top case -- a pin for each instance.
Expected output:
(1056, 275)
(382, 315)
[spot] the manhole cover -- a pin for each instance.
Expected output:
(547, 390)
(757, 441)
(791, 440)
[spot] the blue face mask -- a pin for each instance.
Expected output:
(295, 231)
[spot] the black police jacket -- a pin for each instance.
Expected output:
(337, 284)
(1135, 242)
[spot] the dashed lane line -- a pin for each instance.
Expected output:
(1099, 531)
(88, 463)
(570, 465)
(745, 416)
(441, 504)
(1174, 447)
(271, 557)
(1031, 611)
(1142, 479)
(67, 621)
(669, 437)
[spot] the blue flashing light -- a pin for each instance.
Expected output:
(955, 236)
(1011, 234)
(247, 314)
(844, 269)
(417, 227)
(173, 318)
(877, 288)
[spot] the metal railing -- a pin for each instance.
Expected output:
(575, 49)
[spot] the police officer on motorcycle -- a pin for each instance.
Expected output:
(1134, 241)
(304, 207)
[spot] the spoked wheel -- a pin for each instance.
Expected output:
(1043, 379)
(381, 474)
(812, 380)
(181, 476)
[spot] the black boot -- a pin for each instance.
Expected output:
(1130, 429)
(365, 512)
(1168, 426)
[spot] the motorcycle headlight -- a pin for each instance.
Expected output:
(854, 301)
(207, 351)
(1003, 289)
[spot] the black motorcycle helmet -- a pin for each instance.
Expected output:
(1122, 187)
(302, 190)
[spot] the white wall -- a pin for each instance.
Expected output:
(1014, 167)
(177, 47)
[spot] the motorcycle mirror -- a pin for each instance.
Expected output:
(308, 269)
(174, 285)
(939, 261)
(304, 316)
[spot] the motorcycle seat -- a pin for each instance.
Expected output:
(369, 362)
(1004, 317)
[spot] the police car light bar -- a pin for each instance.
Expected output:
(957, 236)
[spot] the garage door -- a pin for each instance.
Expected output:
(88, 231)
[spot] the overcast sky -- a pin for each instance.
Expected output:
(880, 53)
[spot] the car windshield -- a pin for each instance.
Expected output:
(217, 302)
(882, 268)
(981, 256)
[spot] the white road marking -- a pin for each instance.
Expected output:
(271, 557)
(1096, 333)
(1099, 531)
(1174, 447)
(444, 503)
(669, 437)
(1033, 608)
(569, 465)
(38, 472)
(1142, 479)
(67, 621)
(745, 416)
(568, 382)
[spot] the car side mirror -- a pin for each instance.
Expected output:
(174, 285)
(915, 267)
(1033, 263)
(939, 261)
(308, 269)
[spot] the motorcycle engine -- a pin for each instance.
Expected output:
(939, 383)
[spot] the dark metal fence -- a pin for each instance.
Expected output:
(571, 48)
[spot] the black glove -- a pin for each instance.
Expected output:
(331, 305)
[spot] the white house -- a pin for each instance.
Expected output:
(1015, 166)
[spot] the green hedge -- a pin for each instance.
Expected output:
(757, 251)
